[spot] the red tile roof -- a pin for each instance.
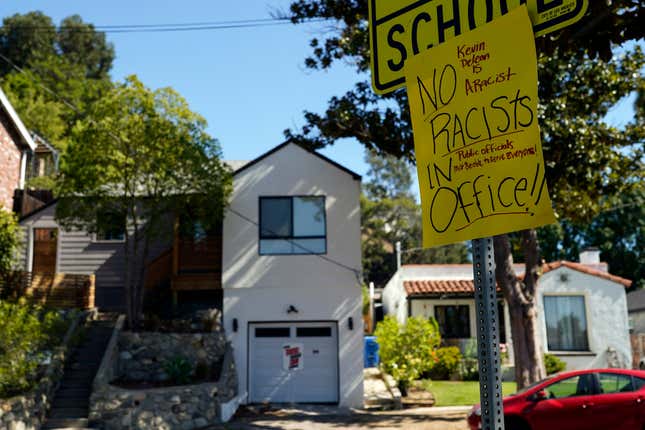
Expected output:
(465, 286)
(439, 286)
(547, 267)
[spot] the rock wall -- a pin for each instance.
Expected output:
(143, 356)
(28, 411)
(140, 356)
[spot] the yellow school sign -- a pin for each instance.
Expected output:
(403, 28)
(473, 103)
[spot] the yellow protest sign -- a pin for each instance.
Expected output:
(473, 102)
(400, 29)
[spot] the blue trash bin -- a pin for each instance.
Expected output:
(370, 354)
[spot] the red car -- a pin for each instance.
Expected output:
(596, 399)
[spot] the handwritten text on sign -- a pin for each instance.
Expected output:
(473, 102)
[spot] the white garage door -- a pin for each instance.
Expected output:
(293, 362)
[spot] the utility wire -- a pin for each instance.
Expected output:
(357, 273)
(164, 28)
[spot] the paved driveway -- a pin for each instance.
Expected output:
(326, 418)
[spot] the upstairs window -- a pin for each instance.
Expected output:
(293, 225)
(110, 227)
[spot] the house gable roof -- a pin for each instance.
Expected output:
(22, 130)
(422, 287)
(354, 175)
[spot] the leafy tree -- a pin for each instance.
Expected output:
(390, 214)
(619, 233)
(149, 160)
(64, 70)
(31, 38)
(586, 159)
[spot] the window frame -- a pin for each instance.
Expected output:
(468, 325)
(585, 302)
(97, 239)
(291, 238)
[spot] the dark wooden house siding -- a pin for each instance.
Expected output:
(78, 253)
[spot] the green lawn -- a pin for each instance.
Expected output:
(460, 393)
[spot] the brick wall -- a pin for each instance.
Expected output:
(9, 164)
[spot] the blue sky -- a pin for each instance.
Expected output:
(250, 83)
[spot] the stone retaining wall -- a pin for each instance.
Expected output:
(137, 356)
(27, 412)
(142, 356)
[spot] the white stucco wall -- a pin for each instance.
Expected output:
(607, 321)
(261, 287)
(394, 298)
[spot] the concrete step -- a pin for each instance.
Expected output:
(73, 393)
(66, 423)
(73, 413)
(70, 402)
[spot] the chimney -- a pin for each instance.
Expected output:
(590, 255)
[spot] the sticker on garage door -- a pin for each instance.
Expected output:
(292, 357)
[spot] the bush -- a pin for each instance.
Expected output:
(407, 351)
(553, 364)
(9, 244)
(26, 333)
(179, 370)
(469, 366)
(447, 361)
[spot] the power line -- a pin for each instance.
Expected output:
(165, 28)
(356, 272)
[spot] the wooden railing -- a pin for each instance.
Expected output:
(57, 290)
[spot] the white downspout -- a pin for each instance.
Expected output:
(23, 170)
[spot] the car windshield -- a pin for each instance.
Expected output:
(535, 384)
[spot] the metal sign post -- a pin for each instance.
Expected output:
(490, 380)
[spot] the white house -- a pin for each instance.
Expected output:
(290, 279)
(582, 309)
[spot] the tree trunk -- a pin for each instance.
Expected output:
(520, 296)
(128, 280)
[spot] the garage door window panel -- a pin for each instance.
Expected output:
(313, 332)
(273, 332)
(293, 225)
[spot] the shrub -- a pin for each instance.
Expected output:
(365, 293)
(26, 333)
(9, 244)
(407, 351)
(447, 360)
(469, 369)
(179, 370)
(553, 364)
(469, 365)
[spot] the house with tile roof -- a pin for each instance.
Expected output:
(582, 308)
